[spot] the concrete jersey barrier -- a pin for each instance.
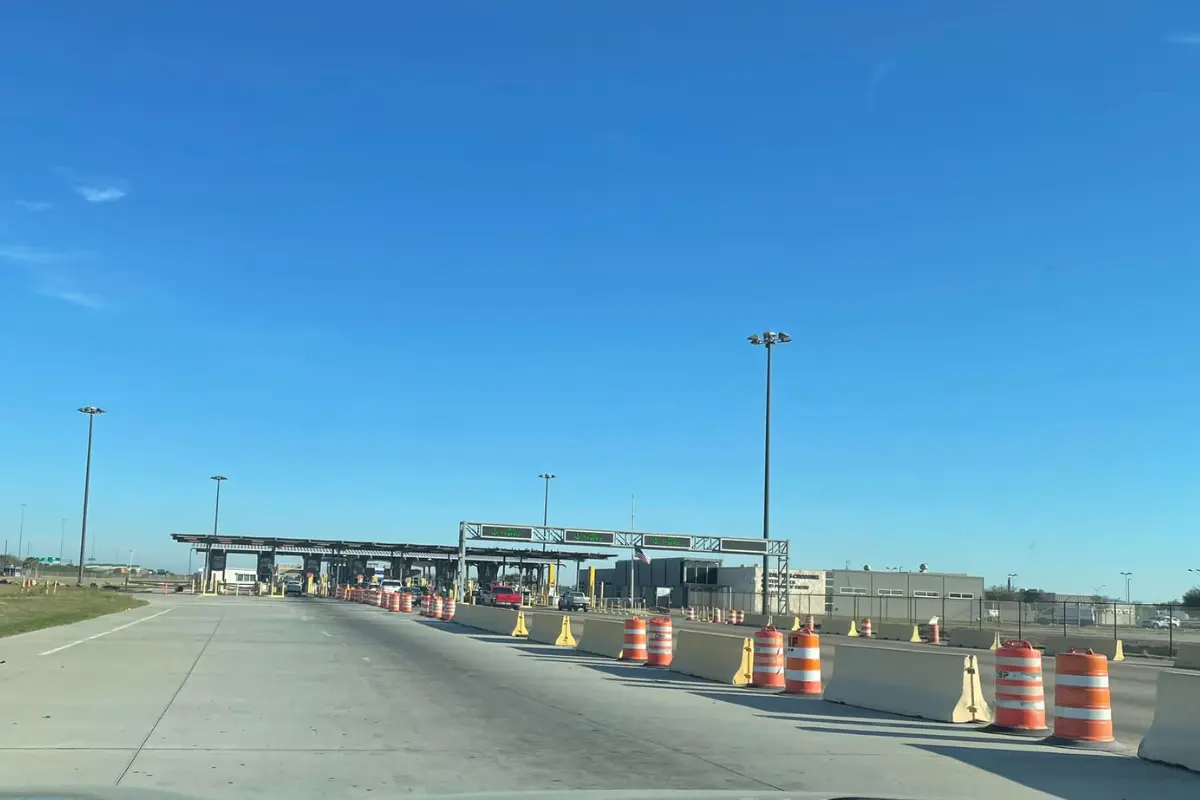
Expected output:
(547, 628)
(1174, 735)
(838, 627)
(603, 637)
(973, 638)
(725, 659)
(897, 632)
(927, 683)
(1187, 656)
(1112, 648)
(485, 618)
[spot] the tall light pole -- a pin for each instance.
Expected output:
(768, 339)
(91, 411)
(1011, 575)
(21, 533)
(547, 477)
(216, 526)
(62, 538)
(1127, 576)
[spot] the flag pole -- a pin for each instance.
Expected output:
(632, 551)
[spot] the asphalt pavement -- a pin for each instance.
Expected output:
(256, 697)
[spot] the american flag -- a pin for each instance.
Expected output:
(640, 555)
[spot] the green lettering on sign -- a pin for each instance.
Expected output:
(667, 542)
(589, 537)
(504, 532)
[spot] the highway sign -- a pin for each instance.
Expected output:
(509, 534)
(48, 560)
(743, 546)
(666, 541)
(589, 537)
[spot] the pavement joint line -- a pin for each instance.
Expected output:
(105, 633)
(170, 702)
(326, 633)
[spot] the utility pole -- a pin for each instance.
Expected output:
(91, 411)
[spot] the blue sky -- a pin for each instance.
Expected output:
(383, 263)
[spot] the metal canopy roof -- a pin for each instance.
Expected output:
(335, 548)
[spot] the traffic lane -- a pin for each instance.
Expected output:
(584, 722)
(1133, 686)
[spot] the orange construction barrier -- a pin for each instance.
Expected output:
(810, 623)
(935, 634)
(717, 615)
(393, 601)
(736, 616)
(802, 670)
(660, 642)
(435, 607)
(1020, 696)
(689, 613)
(424, 605)
(768, 658)
(406, 602)
(1082, 706)
(448, 608)
(634, 643)
(866, 628)
(380, 599)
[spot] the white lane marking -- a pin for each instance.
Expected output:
(323, 633)
(366, 659)
(105, 633)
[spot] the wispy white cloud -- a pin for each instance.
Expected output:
(29, 256)
(34, 205)
(49, 277)
(1184, 38)
(99, 194)
(74, 297)
(93, 188)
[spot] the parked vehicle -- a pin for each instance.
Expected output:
(575, 601)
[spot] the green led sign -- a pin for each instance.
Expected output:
(662, 541)
(589, 537)
(743, 545)
(506, 533)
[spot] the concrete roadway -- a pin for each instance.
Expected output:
(303, 698)
(1132, 683)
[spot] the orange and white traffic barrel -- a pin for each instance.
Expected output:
(866, 628)
(424, 605)
(1082, 705)
(659, 642)
(393, 601)
(689, 613)
(1020, 695)
(380, 599)
(633, 647)
(810, 623)
(768, 658)
(935, 634)
(435, 607)
(449, 606)
(406, 602)
(717, 615)
(736, 616)
(802, 667)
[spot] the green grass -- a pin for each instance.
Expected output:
(21, 612)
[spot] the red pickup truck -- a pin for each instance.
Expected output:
(500, 596)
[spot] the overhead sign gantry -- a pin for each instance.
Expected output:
(591, 537)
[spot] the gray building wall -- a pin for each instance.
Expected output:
(676, 574)
(903, 596)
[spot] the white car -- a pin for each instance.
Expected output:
(293, 588)
(1161, 623)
